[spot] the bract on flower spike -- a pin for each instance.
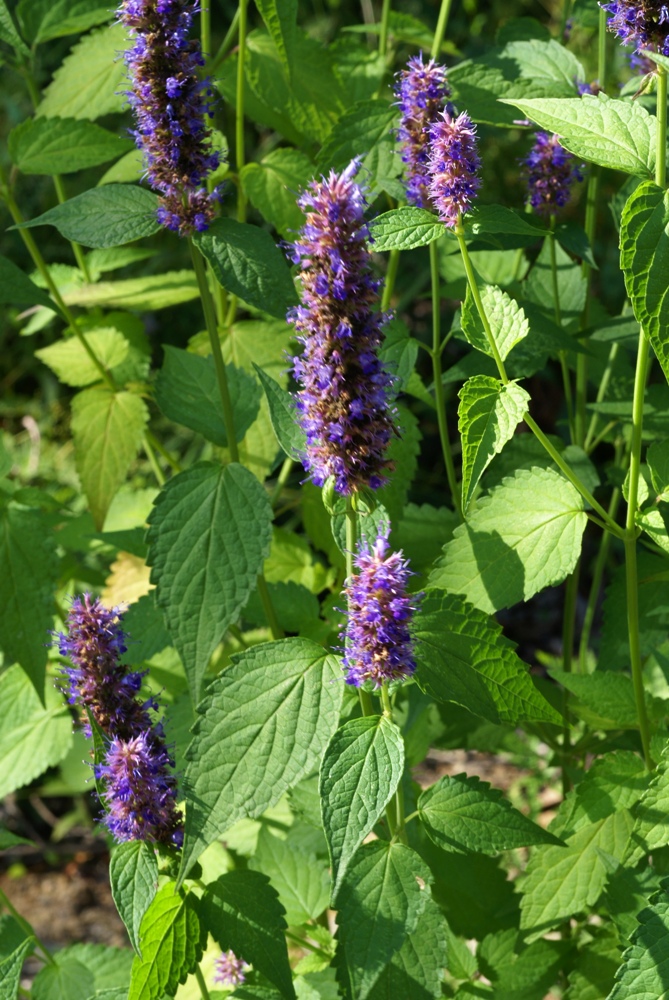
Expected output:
(550, 171)
(344, 402)
(644, 24)
(230, 970)
(453, 165)
(171, 107)
(377, 633)
(421, 90)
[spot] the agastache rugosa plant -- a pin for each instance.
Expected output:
(550, 172)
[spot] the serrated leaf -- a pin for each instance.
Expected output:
(10, 969)
(17, 289)
(187, 392)
(302, 881)
(644, 258)
(92, 79)
(272, 186)
(500, 227)
(651, 822)
(507, 320)
(209, 534)
(110, 966)
(30, 571)
(417, 969)
(607, 698)
(242, 912)
(613, 133)
(133, 874)
(462, 813)
(644, 972)
(62, 145)
(524, 536)
(280, 17)
(247, 262)
(613, 783)
(360, 772)
(405, 228)
(104, 217)
(43, 20)
(71, 363)
(364, 131)
(596, 964)
(171, 939)
(563, 881)
(283, 415)
(381, 899)
(462, 656)
(107, 428)
(657, 458)
(8, 32)
(627, 892)
(261, 728)
(488, 415)
(145, 294)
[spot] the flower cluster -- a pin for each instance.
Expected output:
(421, 91)
(171, 107)
(344, 401)
(643, 24)
(230, 970)
(453, 165)
(550, 172)
(140, 786)
(378, 643)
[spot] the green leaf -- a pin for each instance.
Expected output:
(524, 536)
(462, 813)
(302, 881)
(596, 964)
(133, 874)
(360, 772)
(110, 966)
(561, 882)
(381, 899)
(107, 428)
(657, 458)
(66, 980)
(71, 363)
(242, 912)
(10, 969)
(462, 656)
(574, 238)
(651, 822)
(171, 939)
(92, 79)
(613, 133)
(62, 145)
(500, 227)
(283, 415)
(507, 320)
(247, 262)
(417, 969)
(272, 186)
(43, 20)
(645, 965)
(209, 534)
(30, 571)
(104, 217)
(364, 131)
(17, 289)
(187, 392)
(644, 257)
(399, 352)
(145, 294)
(8, 32)
(405, 228)
(614, 782)
(280, 17)
(488, 415)
(605, 700)
(653, 612)
(261, 728)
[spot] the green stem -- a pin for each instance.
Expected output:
(595, 587)
(25, 926)
(201, 983)
(281, 481)
(225, 45)
(205, 28)
(601, 49)
(383, 34)
(162, 450)
(661, 147)
(439, 399)
(221, 374)
(440, 30)
(385, 701)
(389, 283)
(351, 540)
(568, 626)
(239, 108)
(395, 817)
(601, 393)
(268, 608)
(564, 367)
(308, 945)
(151, 455)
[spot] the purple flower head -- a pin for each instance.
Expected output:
(550, 172)
(453, 165)
(94, 644)
(230, 970)
(377, 634)
(644, 24)
(343, 403)
(421, 90)
(172, 107)
(140, 791)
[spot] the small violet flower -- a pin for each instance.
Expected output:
(344, 399)
(230, 970)
(421, 91)
(643, 24)
(550, 172)
(377, 634)
(171, 107)
(453, 165)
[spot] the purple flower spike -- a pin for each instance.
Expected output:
(644, 24)
(140, 791)
(453, 165)
(229, 970)
(421, 90)
(171, 107)
(379, 647)
(550, 172)
(343, 403)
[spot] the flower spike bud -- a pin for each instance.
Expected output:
(344, 401)
(230, 970)
(377, 634)
(421, 90)
(453, 165)
(550, 172)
